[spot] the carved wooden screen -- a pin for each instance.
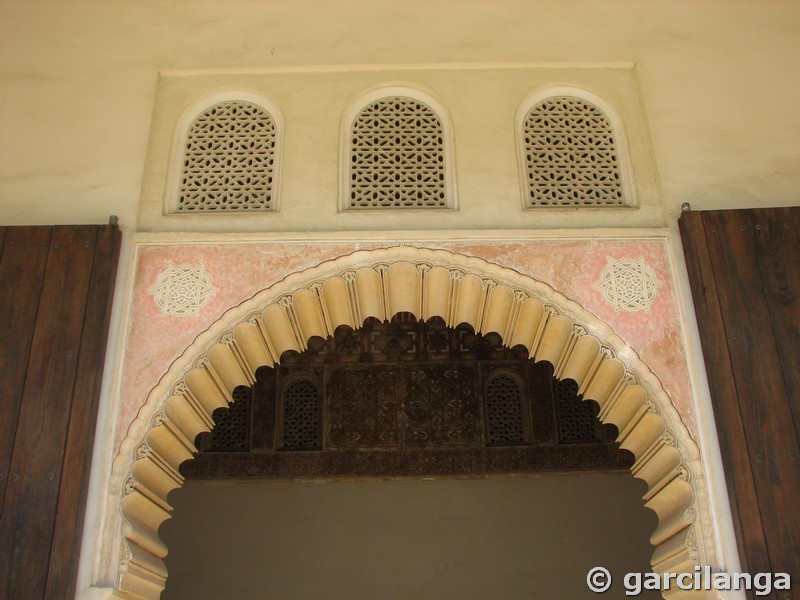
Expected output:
(507, 421)
(406, 398)
(300, 405)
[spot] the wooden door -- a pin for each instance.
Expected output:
(744, 269)
(56, 286)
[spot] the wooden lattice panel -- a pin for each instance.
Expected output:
(505, 411)
(406, 397)
(301, 425)
(231, 433)
(577, 420)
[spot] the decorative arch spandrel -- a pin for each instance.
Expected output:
(425, 283)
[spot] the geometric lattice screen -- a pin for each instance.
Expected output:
(577, 420)
(405, 397)
(302, 416)
(397, 156)
(232, 431)
(229, 160)
(505, 411)
(570, 155)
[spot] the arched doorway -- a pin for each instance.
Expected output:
(425, 283)
(405, 460)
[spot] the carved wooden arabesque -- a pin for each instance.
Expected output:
(406, 398)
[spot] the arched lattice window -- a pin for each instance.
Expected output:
(506, 414)
(397, 156)
(570, 155)
(229, 160)
(301, 415)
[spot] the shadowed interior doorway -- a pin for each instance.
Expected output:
(504, 537)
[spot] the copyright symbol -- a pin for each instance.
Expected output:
(598, 579)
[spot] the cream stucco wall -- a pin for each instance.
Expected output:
(78, 79)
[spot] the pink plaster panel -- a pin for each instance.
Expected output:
(240, 270)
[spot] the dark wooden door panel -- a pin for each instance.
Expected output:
(745, 276)
(778, 251)
(21, 273)
(55, 288)
(730, 424)
(32, 496)
(761, 389)
(63, 567)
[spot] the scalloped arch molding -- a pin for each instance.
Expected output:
(427, 283)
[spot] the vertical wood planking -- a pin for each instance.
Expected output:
(22, 266)
(26, 529)
(748, 261)
(731, 428)
(65, 546)
(778, 259)
(778, 243)
(761, 389)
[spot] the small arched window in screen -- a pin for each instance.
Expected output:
(397, 156)
(571, 155)
(506, 417)
(301, 423)
(229, 162)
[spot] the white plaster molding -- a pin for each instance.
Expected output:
(720, 519)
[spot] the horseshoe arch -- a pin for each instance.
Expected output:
(426, 283)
